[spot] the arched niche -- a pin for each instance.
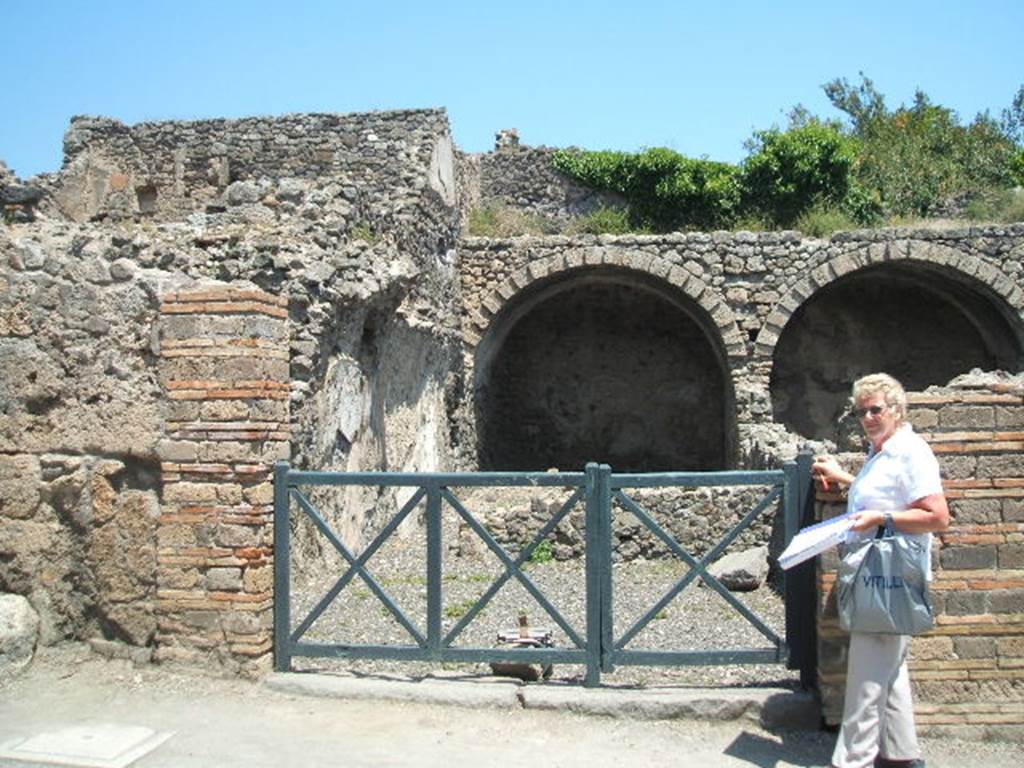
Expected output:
(605, 365)
(921, 323)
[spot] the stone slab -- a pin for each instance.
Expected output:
(459, 693)
(773, 708)
(99, 745)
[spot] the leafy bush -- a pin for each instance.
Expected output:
(1003, 206)
(665, 190)
(790, 172)
(818, 175)
(862, 205)
(1017, 168)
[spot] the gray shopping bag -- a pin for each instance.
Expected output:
(883, 586)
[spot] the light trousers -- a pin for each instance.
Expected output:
(878, 711)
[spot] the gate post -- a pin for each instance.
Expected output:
(282, 570)
(593, 554)
(801, 593)
(604, 502)
(435, 554)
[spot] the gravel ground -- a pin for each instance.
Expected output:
(697, 619)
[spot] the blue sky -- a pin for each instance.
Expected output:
(698, 77)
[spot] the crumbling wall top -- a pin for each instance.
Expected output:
(167, 170)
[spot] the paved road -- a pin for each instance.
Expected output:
(233, 723)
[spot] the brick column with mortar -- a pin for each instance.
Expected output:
(224, 369)
(968, 672)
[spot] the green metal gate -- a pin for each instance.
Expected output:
(594, 644)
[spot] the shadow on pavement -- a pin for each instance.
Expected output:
(788, 749)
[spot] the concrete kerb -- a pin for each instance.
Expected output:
(776, 709)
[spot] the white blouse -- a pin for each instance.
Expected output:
(893, 478)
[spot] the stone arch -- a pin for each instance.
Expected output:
(602, 360)
(550, 267)
(973, 269)
(918, 310)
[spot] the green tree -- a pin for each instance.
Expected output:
(1012, 118)
(1012, 124)
(919, 157)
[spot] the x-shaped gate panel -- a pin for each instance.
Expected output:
(597, 487)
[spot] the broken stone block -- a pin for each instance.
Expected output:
(742, 571)
(19, 632)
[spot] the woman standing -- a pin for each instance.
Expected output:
(899, 482)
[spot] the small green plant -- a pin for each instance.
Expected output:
(483, 222)
(460, 609)
(603, 221)
(822, 221)
(500, 220)
(544, 553)
(364, 232)
(751, 223)
(470, 577)
(662, 614)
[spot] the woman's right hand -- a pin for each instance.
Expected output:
(826, 470)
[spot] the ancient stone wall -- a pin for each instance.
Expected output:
(524, 179)
(166, 170)
(697, 518)
(133, 506)
(136, 510)
(967, 672)
(775, 308)
(79, 423)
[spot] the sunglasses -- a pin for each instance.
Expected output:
(874, 410)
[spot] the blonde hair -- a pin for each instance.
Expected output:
(886, 385)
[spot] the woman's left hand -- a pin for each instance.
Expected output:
(867, 518)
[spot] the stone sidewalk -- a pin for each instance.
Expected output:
(160, 717)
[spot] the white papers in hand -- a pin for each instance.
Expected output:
(815, 539)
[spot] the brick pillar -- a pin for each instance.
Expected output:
(224, 369)
(968, 672)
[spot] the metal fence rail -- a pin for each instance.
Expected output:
(593, 645)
